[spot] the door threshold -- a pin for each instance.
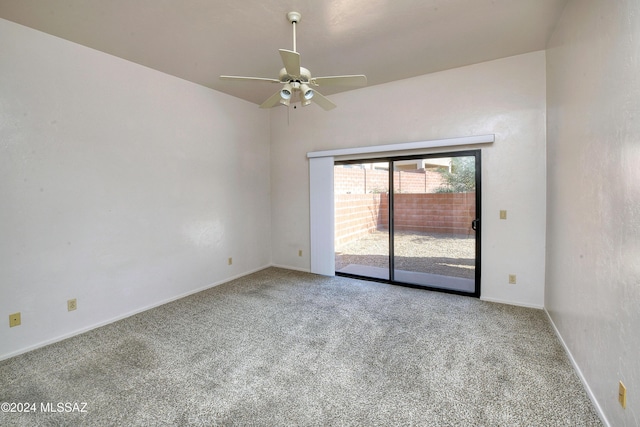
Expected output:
(458, 285)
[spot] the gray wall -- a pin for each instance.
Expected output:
(121, 187)
(593, 196)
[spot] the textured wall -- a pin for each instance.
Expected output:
(593, 216)
(121, 186)
(504, 97)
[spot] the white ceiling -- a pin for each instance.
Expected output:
(386, 40)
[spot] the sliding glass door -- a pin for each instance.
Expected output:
(410, 220)
(361, 192)
(434, 213)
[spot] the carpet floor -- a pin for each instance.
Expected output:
(281, 347)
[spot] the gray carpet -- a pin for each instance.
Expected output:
(280, 347)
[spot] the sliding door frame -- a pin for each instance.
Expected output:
(478, 223)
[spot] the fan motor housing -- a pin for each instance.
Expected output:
(304, 77)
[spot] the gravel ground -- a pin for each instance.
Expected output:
(445, 254)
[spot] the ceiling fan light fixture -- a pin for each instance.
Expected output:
(307, 93)
(285, 93)
(295, 78)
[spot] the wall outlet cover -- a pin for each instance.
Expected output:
(15, 320)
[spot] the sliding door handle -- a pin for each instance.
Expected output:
(474, 223)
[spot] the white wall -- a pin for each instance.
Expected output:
(593, 208)
(120, 186)
(505, 97)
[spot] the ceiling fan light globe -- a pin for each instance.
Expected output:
(307, 92)
(286, 91)
(285, 94)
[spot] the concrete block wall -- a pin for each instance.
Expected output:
(419, 181)
(356, 216)
(364, 181)
(360, 181)
(448, 213)
(361, 214)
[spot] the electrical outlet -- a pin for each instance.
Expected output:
(230, 261)
(622, 395)
(72, 304)
(300, 252)
(512, 279)
(14, 320)
(503, 214)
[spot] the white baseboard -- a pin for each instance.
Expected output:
(288, 267)
(125, 315)
(593, 399)
(519, 304)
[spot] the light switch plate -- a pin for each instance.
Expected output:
(622, 395)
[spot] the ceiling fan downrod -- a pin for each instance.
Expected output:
(294, 18)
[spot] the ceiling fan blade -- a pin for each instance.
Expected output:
(291, 61)
(240, 78)
(272, 101)
(323, 101)
(356, 80)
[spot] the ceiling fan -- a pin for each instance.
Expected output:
(297, 80)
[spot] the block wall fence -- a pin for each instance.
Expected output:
(359, 212)
(364, 181)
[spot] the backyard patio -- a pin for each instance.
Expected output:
(442, 254)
